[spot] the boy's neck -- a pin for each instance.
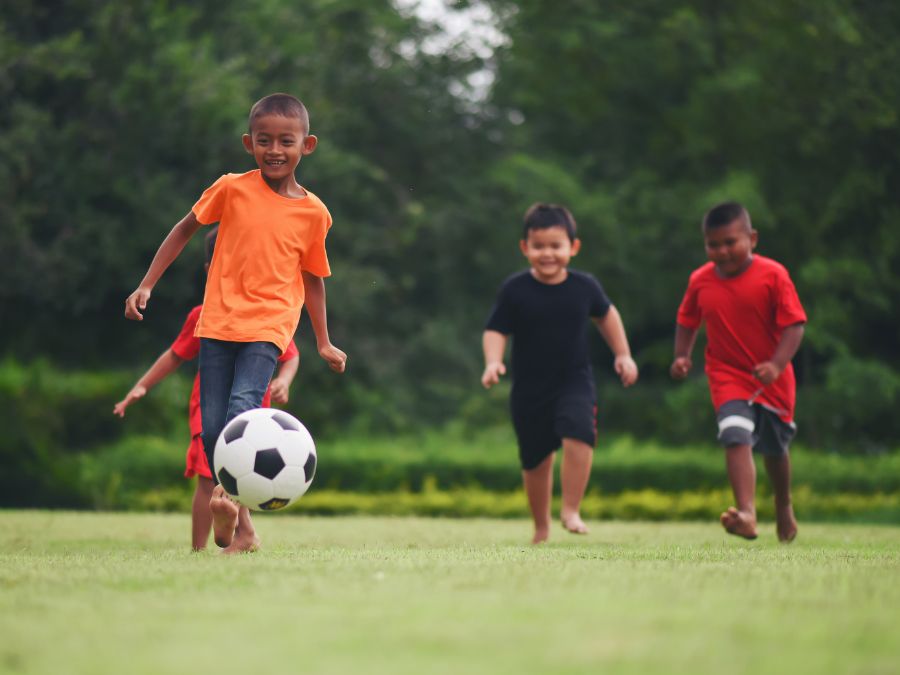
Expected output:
(743, 268)
(285, 187)
(555, 280)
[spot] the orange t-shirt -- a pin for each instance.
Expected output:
(254, 291)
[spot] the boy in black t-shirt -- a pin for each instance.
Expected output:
(553, 399)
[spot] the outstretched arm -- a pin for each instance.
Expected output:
(494, 346)
(613, 331)
(164, 366)
(768, 371)
(281, 383)
(315, 307)
(170, 248)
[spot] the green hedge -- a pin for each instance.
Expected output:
(127, 473)
(489, 460)
(50, 419)
(630, 505)
(61, 446)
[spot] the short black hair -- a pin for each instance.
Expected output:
(280, 104)
(724, 214)
(541, 216)
(210, 243)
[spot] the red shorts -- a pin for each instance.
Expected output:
(195, 462)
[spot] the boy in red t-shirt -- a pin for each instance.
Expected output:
(186, 348)
(754, 326)
(270, 259)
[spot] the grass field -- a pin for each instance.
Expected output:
(119, 593)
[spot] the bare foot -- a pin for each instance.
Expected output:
(225, 516)
(786, 524)
(541, 534)
(243, 544)
(739, 523)
(574, 524)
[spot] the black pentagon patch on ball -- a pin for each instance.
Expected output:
(286, 421)
(228, 482)
(268, 463)
(274, 504)
(236, 430)
(309, 468)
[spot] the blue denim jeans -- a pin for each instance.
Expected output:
(234, 377)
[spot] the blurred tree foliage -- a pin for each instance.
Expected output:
(638, 114)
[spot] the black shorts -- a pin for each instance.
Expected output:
(541, 428)
(743, 423)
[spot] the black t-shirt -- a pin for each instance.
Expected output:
(548, 324)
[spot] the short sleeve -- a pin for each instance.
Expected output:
(315, 259)
(600, 302)
(788, 310)
(289, 353)
(187, 345)
(211, 204)
(502, 316)
(689, 310)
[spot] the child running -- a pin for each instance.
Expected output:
(754, 326)
(553, 399)
(269, 260)
(186, 348)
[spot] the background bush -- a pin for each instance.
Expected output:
(67, 449)
(638, 116)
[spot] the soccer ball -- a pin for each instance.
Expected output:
(265, 459)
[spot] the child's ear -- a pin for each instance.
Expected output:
(576, 246)
(309, 144)
(754, 239)
(523, 246)
(248, 143)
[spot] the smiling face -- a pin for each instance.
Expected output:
(548, 251)
(730, 247)
(277, 143)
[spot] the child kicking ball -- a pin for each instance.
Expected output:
(269, 262)
(186, 348)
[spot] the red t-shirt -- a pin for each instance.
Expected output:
(187, 347)
(745, 317)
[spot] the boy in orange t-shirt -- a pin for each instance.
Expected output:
(186, 348)
(269, 259)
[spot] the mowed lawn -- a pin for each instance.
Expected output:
(120, 593)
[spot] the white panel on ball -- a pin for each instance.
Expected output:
(295, 447)
(263, 432)
(236, 457)
(254, 489)
(290, 483)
